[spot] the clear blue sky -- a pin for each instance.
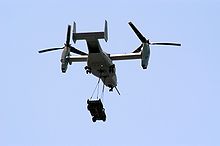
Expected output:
(173, 103)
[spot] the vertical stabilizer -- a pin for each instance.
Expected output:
(106, 31)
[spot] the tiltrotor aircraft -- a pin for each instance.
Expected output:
(100, 63)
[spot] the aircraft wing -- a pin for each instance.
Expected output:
(78, 58)
(128, 56)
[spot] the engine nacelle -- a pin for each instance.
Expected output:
(64, 59)
(64, 66)
(145, 55)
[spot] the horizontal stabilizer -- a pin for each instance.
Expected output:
(90, 35)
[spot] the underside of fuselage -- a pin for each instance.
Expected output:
(100, 65)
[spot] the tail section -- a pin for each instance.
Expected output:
(90, 35)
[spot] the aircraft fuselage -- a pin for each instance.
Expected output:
(100, 64)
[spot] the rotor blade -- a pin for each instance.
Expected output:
(138, 49)
(68, 35)
(74, 50)
(170, 44)
(139, 35)
(47, 50)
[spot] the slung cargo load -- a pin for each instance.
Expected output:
(96, 110)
